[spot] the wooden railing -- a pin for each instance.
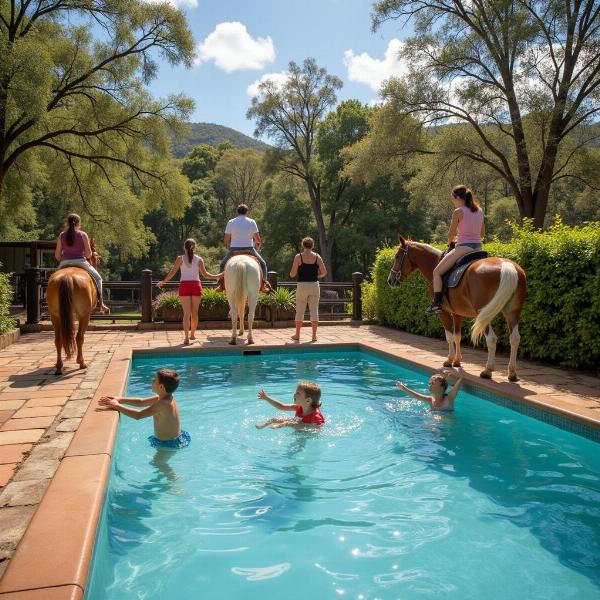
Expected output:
(335, 297)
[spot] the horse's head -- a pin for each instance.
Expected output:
(402, 266)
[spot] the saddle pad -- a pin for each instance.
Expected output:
(452, 279)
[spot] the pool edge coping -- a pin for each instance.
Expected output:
(64, 575)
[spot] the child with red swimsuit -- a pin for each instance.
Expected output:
(306, 406)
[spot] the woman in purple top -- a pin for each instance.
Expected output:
(467, 219)
(73, 250)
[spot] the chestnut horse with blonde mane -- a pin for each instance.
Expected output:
(71, 294)
(488, 286)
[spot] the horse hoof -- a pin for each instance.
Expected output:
(448, 363)
(456, 363)
(485, 374)
(82, 366)
(513, 377)
(250, 342)
(57, 373)
(232, 343)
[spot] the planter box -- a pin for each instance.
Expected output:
(8, 338)
(170, 315)
(217, 313)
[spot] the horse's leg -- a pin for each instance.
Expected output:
(448, 324)
(490, 339)
(512, 320)
(252, 300)
(233, 314)
(83, 324)
(58, 344)
(241, 309)
(456, 332)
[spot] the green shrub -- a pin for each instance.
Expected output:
(368, 297)
(211, 299)
(166, 300)
(6, 293)
(560, 322)
(281, 298)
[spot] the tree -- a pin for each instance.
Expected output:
(74, 110)
(520, 72)
(289, 114)
(239, 179)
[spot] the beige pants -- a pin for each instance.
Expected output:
(307, 292)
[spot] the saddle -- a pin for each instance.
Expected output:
(452, 278)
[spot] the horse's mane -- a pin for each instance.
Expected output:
(429, 246)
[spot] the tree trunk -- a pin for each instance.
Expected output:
(325, 244)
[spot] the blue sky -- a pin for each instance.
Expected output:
(240, 41)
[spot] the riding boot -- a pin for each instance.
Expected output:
(436, 306)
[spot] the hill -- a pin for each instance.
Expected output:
(213, 135)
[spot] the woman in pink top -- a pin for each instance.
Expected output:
(190, 287)
(73, 250)
(467, 219)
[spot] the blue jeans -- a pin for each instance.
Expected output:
(472, 245)
(252, 251)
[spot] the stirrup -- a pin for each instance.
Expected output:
(433, 309)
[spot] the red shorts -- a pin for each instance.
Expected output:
(190, 288)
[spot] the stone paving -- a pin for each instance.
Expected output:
(39, 412)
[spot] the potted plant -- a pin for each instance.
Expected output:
(214, 305)
(281, 304)
(167, 307)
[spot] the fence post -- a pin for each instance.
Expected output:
(146, 295)
(357, 279)
(273, 279)
(33, 295)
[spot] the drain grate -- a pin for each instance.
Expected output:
(252, 352)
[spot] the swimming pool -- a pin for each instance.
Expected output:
(385, 501)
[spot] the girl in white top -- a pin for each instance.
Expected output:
(190, 287)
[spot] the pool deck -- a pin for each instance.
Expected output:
(43, 440)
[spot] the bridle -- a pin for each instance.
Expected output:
(397, 273)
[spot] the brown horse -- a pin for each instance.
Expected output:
(489, 286)
(71, 293)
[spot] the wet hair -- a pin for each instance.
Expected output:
(312, 391)
(308, 242)
(464, 193)
(190, 246)
(169, 379)
(442, 379)
(242, 209)
(72, 220)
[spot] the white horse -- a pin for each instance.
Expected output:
(242, 282)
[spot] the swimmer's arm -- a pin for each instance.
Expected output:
(137, 414)
(280, 405)
(133, 401)
(413, 393)
(452, 393)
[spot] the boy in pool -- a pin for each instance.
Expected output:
(440, 399)
(162, 407)
(307, 403)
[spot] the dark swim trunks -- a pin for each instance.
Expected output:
(181, 441)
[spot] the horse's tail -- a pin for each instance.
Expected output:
(509, 280)
(65, 303)
(241, 285)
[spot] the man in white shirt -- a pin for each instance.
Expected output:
(242, 233)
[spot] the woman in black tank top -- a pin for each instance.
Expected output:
(308, 266)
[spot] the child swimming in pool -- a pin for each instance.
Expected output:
(162, 407)
(440, 399)
(307, 404)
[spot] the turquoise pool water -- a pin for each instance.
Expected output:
(386, 501)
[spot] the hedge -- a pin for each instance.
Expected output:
(560, 322)
(6, 293)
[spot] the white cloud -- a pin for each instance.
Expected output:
(278, 79)
(176, 3)
(362, 68)
(232, 48)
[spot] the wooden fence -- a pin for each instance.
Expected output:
(134, 298)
